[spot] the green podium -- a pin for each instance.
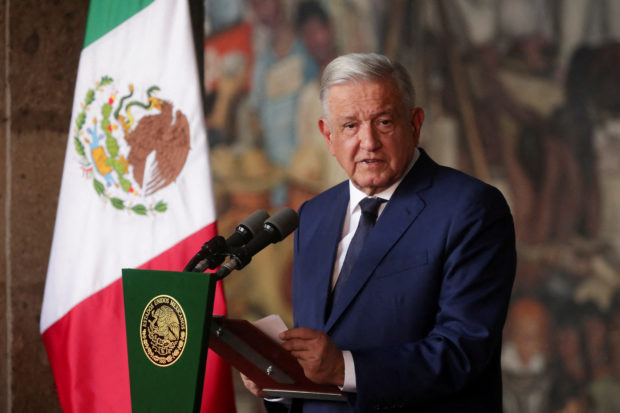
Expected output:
(167, 318)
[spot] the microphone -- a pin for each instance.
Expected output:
(214, 251)
(247, 229)
(275, 229)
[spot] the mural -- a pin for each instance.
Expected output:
(523, 94)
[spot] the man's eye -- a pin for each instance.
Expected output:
(349, 126)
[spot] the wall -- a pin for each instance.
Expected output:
(40, 47)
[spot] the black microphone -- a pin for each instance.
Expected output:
(214, 251)
(275, 229)
(247, 229)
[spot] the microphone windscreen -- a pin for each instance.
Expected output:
(254, 222)
(284, 221)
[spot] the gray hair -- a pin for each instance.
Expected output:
(366, 67)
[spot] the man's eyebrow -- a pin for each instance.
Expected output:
(346, 118)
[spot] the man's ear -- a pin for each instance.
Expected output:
(327, 134)
(417, 119)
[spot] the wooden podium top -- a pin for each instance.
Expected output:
(265, 361)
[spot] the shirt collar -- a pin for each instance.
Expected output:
(356, 195)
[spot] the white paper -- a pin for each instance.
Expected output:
(272, 326)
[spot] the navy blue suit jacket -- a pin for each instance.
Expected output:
(424, 307)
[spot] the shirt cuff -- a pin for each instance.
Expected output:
(350, 384)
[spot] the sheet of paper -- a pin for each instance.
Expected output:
(272, 326)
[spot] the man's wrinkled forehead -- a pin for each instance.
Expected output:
(392, 100)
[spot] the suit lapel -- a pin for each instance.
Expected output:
(402, 210)
(325, 238)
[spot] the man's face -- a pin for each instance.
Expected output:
(370, 133)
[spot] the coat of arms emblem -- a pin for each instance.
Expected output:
(131, 146)
(163, 330)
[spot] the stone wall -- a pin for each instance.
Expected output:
(39, 53)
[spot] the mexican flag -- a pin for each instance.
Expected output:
(136, 193)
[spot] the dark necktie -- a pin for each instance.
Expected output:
(370, 210)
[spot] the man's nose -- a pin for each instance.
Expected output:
(369, 137)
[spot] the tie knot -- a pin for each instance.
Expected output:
(371, 205)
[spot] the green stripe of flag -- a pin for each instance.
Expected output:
(104, 15)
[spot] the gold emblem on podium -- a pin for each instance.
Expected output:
(163, 330)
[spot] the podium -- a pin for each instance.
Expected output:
(169, 325)
(167, 320)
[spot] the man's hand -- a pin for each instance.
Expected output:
(317, 354)
(252, 387)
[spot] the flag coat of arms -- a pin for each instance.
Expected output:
(135, 193)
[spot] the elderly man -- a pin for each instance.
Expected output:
(403, 273)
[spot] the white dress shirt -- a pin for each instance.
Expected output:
(351, 220)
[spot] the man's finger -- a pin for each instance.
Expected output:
(296, 345)
(302, 333)
(252, 387)
(303, 355)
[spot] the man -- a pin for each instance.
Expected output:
(416, 324)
